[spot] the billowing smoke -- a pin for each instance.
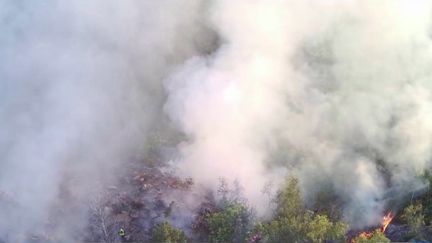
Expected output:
(80, 88)
(337, 93)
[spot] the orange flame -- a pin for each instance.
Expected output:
(366, 234)
(386, 221)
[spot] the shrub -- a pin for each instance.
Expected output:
(413, 215)
(293, 223)
(230, 224)
(166, 233)
(377, 237)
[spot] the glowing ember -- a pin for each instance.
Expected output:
(366, 234)
(386, 221)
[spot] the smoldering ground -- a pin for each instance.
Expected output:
(323, 90)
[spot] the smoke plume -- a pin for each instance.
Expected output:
(80, 89)
(337, 93)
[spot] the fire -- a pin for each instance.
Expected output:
(366, 234)
(386, 221)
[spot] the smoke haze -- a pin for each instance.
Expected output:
(80, 89)
(323, 90)
(336, 93)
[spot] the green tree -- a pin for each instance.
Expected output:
(294, 223)
(413, 215)
(289, 202)
(316, 228)
(230, 224)
(320, 228)
(377, 237)
(426, 198)
(166, 233)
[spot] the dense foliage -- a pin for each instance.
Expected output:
(232, 221)
(231, 224)
(229, 219)
(426, 199)
(166, 233)
(377, 237)
(413, 215)
(294, 223)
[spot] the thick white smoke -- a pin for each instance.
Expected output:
(80, 86)
(336, 92)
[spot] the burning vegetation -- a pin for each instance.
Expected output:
(376, 234)
(386, 221)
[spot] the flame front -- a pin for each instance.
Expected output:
(386, 221)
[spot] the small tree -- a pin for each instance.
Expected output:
(377, 237)
(413, 215)
(231, 224)
(289, 202)
(103, 224)
(293, 223)
(320, 228)
(426, 198)
(166, 233)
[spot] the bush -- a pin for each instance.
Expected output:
(164, 232)
(289, 202)
(293, 223)
(377, 237)
(413, 215)
(317, 228)
(320, 229)
(231, 224)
